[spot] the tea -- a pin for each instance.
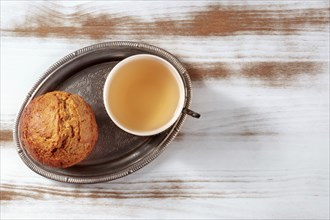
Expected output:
(144, 95)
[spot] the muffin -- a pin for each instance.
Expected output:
(58, 129)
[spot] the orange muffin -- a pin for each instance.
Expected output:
(58, 129)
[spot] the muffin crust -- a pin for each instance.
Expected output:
(58, 129)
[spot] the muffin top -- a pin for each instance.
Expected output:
(58, 129)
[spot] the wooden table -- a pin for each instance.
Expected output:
(260, 72)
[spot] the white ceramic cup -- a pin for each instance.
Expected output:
(172, 70)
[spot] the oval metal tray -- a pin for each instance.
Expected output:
(116, 153)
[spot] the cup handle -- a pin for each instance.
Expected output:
(191, 113)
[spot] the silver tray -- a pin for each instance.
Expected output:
(116, 153)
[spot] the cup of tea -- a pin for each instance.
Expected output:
(144, 95)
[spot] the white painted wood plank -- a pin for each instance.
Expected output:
(184, 209)
(16, 10)
(24, 56)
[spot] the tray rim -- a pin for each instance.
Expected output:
(139, 164)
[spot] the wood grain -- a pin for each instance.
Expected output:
(176, 188)
(213, 20)
(6, 136)
(260, 73)
(271, 73)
